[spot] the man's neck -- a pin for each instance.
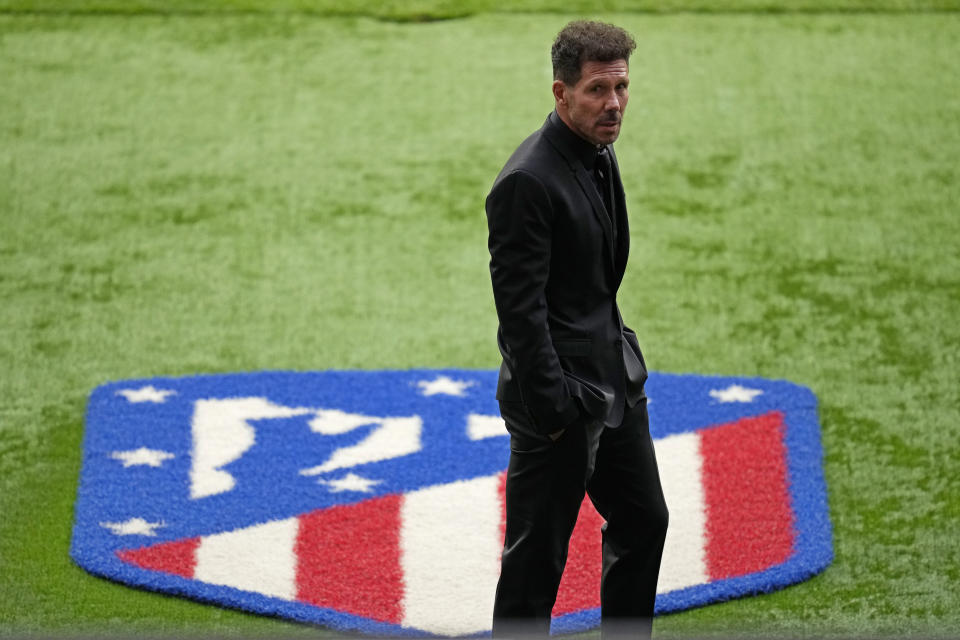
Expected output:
(564, 116)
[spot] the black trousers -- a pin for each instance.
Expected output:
(546, 482)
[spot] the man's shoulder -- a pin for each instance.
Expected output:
(536, 157)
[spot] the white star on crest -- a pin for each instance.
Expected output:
(132, 527)
(444, 385)
(350, 482)
(735, 393)
(146, 394)
(142, 456)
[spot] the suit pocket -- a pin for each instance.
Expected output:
(574, 348)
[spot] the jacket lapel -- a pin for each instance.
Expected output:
(589, 190)
(623, 222)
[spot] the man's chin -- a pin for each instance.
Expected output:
(607, 134)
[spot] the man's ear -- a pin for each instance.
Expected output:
(560, 92)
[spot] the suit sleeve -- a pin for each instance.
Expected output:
(520, 222)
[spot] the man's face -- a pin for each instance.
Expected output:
(594, 106)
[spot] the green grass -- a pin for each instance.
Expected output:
(429, 10)
(190, 194)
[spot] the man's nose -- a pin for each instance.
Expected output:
(613, 101)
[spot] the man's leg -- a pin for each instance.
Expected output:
(626, 490)
(545, 485)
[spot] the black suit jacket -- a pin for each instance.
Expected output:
(556, 262)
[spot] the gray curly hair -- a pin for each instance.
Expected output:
(587, 41)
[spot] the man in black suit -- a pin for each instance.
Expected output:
(571, 386)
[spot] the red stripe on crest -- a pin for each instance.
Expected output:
(580, 584)
(178, 557)
(749, 520)
(349, 559)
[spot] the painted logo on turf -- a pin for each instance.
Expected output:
(373, 500)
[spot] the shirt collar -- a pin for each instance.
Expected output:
(585, 151)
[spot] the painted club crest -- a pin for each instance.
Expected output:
(373, 500)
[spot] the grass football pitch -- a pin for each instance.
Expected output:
(212, 192)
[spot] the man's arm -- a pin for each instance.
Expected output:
(520, 222)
